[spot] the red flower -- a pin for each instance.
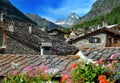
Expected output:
(108, 73)
(73, 66)
(65, 77)
(102, 79)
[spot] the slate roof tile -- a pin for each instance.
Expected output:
(37, 37)
(61, 62)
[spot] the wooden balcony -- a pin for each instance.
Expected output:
(116, 45)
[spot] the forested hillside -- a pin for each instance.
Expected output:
(112, 18)
(12, 13)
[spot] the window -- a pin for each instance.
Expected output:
(94, 40)
(116, 41)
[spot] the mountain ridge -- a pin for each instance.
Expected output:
(111, 18)
(12, 13)
(100, 7)
(69, 21)
(42, 21)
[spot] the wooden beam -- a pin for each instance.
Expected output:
(112, 41)
(4, 38)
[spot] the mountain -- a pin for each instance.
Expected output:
(71, 19)
(68, 21)
(42, 21)
(100, 7)
(111, 18)
(12, 13)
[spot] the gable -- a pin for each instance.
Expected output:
(102, 30)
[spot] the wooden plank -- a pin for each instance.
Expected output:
(4, 38)
(112, 41)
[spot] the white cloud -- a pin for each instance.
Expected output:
(79, 7)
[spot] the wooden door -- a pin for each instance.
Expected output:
(109, 42)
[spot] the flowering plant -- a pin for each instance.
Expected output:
(30, 74)
(97, 72)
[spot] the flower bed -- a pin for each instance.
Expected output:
(100, 71)
(30, 74)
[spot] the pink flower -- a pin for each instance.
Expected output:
(112, 56)
(27, 68)
(32, 75)
(39, 67)
(109, 64)
(42, 67)
(101, 60)
(15, 72)
(69, 81)
(46, 68)
(96, 62)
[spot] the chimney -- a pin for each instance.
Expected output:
(2, 17)
(46, 49)
(98, 27)
(11, 27)
(104, 24)
(92, 29)
(30, 28)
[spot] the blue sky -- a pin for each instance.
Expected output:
(54, 9)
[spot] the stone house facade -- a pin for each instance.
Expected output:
(98, 39)
(87, 44)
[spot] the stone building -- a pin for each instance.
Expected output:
(73, 34)
(56, 33)
(21, 39)
(100, 38)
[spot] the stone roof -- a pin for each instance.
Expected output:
(102, 30)
(62, 63)
(37, 37)
(46, 44)
(111, 26)
(94, 53)
(7, 62)
(55, 29)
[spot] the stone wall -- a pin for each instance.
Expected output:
(85, 42)
(15, 47)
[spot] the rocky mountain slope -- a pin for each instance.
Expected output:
(68, 21)
(113, 17)
(42, 21)
(12, 13)
(100, 7)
